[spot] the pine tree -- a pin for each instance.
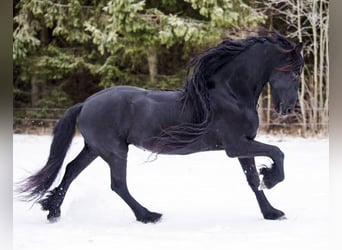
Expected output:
(115, 42)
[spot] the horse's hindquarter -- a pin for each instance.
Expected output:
(128, 114)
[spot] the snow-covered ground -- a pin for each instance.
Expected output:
(205, 201)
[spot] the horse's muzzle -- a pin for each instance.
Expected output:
(284, 109)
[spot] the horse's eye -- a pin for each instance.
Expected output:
(295, 74)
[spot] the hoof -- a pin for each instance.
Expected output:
(53, 219)
(275, 215)
(54, 215)
(150, 217)
(269, 179)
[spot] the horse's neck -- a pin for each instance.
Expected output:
(244, 78)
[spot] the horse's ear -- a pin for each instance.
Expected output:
(299, 47)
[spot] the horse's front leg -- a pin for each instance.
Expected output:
(269, 212)
(246, 148)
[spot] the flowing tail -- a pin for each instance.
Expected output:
(35, 186)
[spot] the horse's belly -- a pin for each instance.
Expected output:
(204, 143)
(182, 151)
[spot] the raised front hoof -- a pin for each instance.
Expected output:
(150, 217)
(270, 179)
(275, 214)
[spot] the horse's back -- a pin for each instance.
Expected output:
(127, 114)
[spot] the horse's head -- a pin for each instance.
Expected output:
(284, 80)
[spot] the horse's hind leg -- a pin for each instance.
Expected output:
(269, 212)
(118, 173)
(53, 201)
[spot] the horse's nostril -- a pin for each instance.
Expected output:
(289, 110)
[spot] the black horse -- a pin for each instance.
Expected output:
(216, 110)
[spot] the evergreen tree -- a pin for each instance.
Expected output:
(105, 43)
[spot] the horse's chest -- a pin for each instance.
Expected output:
(250, 119)
(243, 122)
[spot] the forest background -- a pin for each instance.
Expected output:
(64, 51)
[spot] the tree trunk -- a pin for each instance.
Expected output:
(326, 105)
(152, 60)
(261, 109)
(268, 114)
(35, 92)
(302, 79)
(321, 62)
(39, 88)
(315, 73)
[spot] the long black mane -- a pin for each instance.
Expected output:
(196, 89)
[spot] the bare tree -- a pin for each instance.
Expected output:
(307, 21)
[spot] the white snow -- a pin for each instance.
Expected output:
(204, 197)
